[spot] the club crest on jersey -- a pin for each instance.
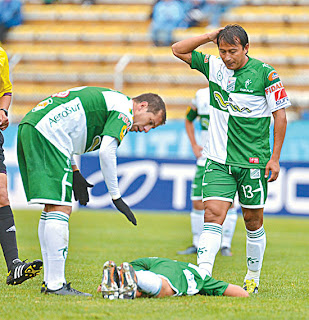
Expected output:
(43, 104)
(225, 105)
(273, 75)
(231, 84)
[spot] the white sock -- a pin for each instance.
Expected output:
(57, 240)
(209, 246)
(41, 230)
(197, 224)
(148, 282)
(228, 228)
(256, 243)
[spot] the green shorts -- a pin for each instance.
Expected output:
(196, 186)
(221, 182)
(45, 171)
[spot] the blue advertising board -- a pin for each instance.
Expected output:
(155, 171)
(164, 184)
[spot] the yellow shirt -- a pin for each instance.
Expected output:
(5, 83)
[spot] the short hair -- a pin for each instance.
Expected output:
(233, 34)
(155, 104)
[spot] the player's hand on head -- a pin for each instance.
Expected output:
(214, 34)
(80, 188)
(124, 208)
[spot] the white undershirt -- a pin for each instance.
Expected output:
(108, 162)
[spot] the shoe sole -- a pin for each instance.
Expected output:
(128, 284)
(32, 271)
(109, 287)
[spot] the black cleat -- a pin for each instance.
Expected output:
(110, 281)
(128, 282)
(22, 271)
(66, 290)
(190, 250)
(43, 287)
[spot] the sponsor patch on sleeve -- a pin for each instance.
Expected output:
(273, 75)
(206, 59)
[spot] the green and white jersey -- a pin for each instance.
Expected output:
(184, 278)
(201, 109)
(242, 102)
(75, 120)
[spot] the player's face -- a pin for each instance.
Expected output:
(233, 55)
(143, 121)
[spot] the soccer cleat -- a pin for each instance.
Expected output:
(110, 281)
(226, 252)
(250, 286)
(128, 282)
(190, 250)
(22, 271)
(43, 287)
(66, 290)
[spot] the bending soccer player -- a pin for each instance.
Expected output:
(18, 271)
(161, 277)
(244, 94)
(200, 108)
(72, 122)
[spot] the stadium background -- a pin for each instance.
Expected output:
(67, 44)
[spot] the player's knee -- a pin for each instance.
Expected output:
(253, 221)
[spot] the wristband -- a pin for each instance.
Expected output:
(5, 111)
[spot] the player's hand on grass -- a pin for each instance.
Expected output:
(123, 208)
(80, 188)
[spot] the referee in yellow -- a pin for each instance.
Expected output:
(18, 271)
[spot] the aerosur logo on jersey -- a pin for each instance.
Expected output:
(225, 105)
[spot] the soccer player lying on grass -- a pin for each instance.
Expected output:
(161, 277)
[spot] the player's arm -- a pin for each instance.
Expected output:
(108, 163)
(197, 149)
(235, 291)
(280, 123)
(5, 102)
(183, 49)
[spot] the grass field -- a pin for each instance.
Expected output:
(95, 238)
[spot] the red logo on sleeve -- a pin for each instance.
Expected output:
(280, 94)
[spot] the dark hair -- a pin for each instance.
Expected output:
(155, 104)
(233, 34)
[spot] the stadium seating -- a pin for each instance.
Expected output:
(108, 44)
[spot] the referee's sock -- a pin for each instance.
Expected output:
(8, 235)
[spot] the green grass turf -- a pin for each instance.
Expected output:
(96, 237)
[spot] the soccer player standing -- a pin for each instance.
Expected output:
(244, 93)
(200, 109)
(18, 271)
(75, 121)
